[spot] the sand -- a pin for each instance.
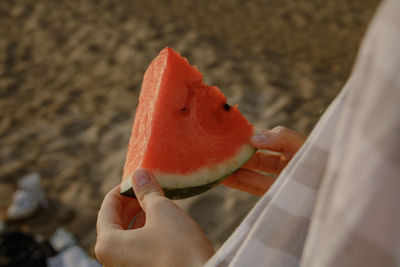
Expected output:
(70, 75)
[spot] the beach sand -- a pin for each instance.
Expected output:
(70, 75)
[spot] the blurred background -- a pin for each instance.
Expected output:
(71, 71)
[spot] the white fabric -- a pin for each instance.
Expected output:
(337, 202)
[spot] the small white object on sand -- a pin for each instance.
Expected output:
(27, 199)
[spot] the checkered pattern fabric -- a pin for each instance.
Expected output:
(338, 201)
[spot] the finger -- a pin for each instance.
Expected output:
(265, 162)
(129, 211)
(146, 188)
(140, 220)
(109, 217)
(279, 139)
(249, 181)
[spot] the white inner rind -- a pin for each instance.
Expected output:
(202, 176)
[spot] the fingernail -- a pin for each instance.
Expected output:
(259, 138)
(141, 177)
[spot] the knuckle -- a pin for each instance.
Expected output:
(282, 164)
(148, 193)
(100, 251)
(280, 129)
(108, 196)
(103, 248)
(151, 198)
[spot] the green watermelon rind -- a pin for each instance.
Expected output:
(187, 190)
(180, 193)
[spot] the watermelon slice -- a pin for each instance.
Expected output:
(184, 131)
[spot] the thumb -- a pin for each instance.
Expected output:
(146, 188)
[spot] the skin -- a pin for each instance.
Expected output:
(283, 142)
(162, 233)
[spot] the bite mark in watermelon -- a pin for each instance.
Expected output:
(184, 132)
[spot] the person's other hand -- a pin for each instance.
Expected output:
(284, 141)
(162, 233)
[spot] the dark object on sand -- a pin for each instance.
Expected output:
(20, 249)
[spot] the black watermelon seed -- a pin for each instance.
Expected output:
(227, 107)
(183, 109)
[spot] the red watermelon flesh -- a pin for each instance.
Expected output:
(184, 131)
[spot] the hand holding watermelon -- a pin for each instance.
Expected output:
(280, 139)
(162, 233)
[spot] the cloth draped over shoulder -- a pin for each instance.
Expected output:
(337, 203)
